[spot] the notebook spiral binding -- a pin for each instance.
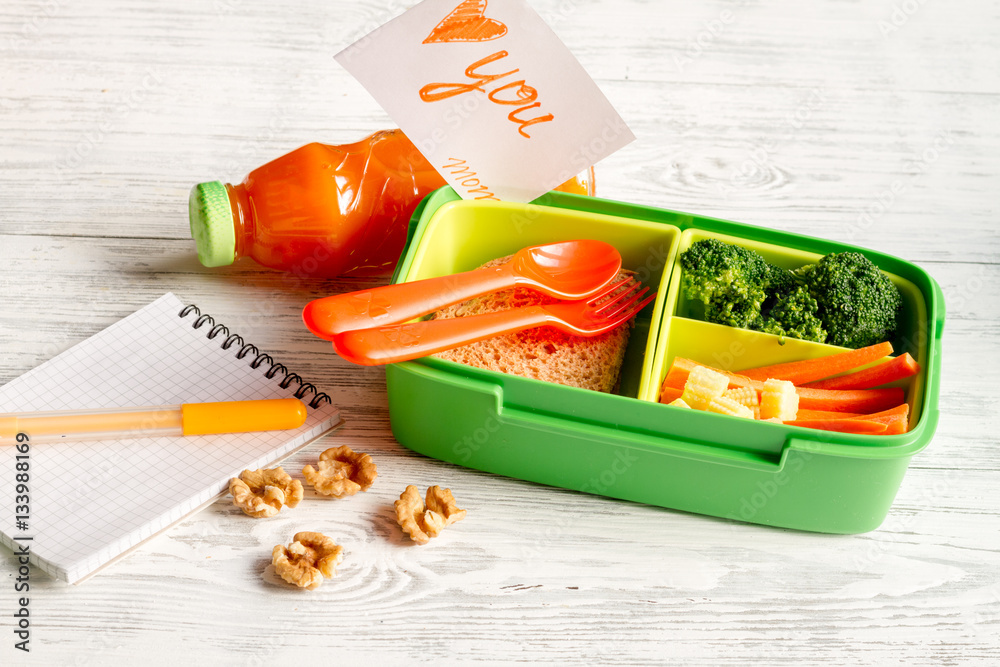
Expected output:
(260, 358)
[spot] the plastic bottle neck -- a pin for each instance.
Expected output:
(244, 218)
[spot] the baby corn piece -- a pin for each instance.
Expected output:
(679, 402)
(703, 384)
(728, 406)
(745, 396)
(779, 400)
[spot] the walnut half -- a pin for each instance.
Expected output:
(342, 472)
(262, 493)
(307, 560)
(422, 523)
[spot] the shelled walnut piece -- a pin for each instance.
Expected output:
(422, 523)
(262, 493)
(342, 472)
(307, 560)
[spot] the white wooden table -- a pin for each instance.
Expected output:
(798, 116)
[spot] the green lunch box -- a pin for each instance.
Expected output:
(627, 445)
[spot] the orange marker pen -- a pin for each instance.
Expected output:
(144, 422)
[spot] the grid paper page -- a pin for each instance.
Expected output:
(92, 501)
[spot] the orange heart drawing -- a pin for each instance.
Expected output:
(467, 23)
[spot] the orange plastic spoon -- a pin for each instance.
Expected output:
(570, 270)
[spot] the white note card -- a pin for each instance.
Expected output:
(490, 96)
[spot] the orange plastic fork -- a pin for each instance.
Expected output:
(401, 342)
(570, 270)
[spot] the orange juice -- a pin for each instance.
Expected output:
(323, 211)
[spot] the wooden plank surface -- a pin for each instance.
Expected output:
(797, 116)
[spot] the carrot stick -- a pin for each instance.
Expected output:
(807, 370)
(896, 427)
(849, 400)
(682, 367)
(830, 400)
(902, 409)
(901, 367)
(826, 414)
(842, 425)
(889, 416)
(823, 414)
(676, 378)
(894, 424)
(897, 419)
(891, 419)
(670, 394)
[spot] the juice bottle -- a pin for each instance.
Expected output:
(323, 211)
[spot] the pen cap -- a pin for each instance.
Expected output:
(242, 416)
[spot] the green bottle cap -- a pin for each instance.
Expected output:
(212, 227)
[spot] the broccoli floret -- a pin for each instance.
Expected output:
(728, 279)
(780, 284)
(843, 300)
(857, 304)
(734, 312)
(794, 315)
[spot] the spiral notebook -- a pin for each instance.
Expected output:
(93, 502)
